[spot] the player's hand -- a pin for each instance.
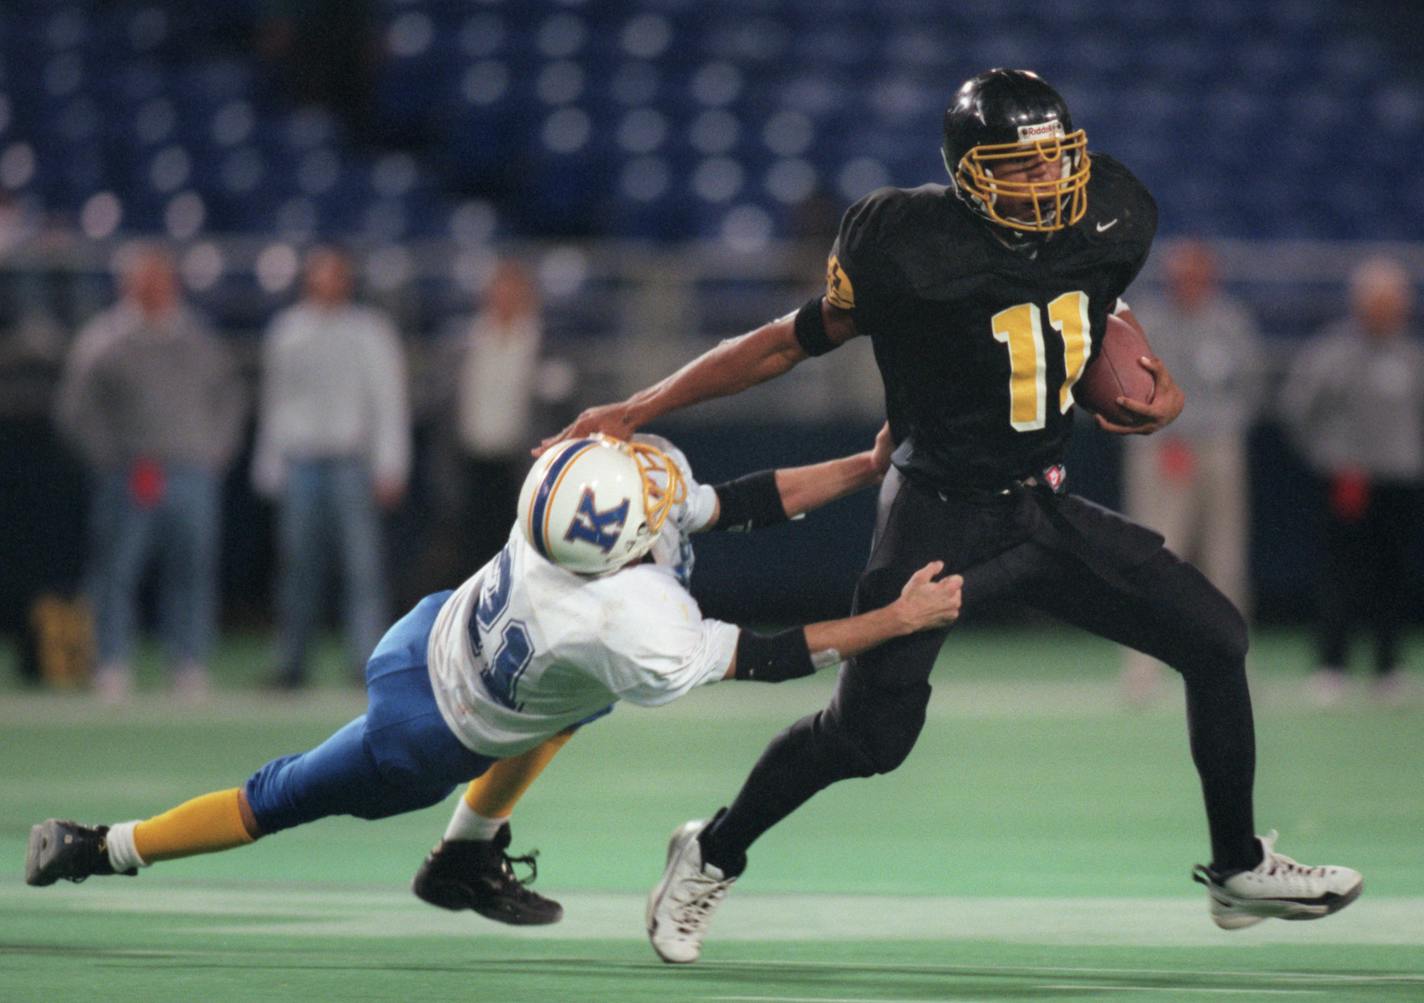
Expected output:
(1167, 402)
(926, 603)
(884, 446)
(610, 419)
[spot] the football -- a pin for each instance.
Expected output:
(1115, 372)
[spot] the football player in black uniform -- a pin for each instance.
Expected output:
(984, 301)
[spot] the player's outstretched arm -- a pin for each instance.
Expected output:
(803, 489)
(733, 366)
(924, 604)
(769, 497)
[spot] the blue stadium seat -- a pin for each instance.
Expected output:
(106, 93)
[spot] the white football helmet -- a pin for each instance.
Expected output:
(593, 505)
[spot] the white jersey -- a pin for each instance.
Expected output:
(523, 649)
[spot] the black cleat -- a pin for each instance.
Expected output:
(68, 850)
(479, 875)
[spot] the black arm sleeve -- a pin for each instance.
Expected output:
(810, 329)
(749, 502)
(773, 658)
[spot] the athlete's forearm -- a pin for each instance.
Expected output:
(923, 604)
(791, 654)
(806, 488)
(732, 366)
(833, 640)
(770, 497)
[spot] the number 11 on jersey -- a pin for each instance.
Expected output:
(1020, 329)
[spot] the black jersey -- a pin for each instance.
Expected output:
(979, 344)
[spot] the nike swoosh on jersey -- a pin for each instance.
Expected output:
(1104, 227)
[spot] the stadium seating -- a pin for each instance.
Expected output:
(670, 119)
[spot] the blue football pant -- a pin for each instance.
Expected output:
(397, 757)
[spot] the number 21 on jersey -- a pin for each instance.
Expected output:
(504, 668)
(1021, 330)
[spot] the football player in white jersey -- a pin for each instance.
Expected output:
(586, 605)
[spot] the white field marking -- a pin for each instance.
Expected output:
(1084, 987)
(953, 698)
(343, 910)
(1269, 974)
(970, 999)
(841, 999)
(977, 699)
(162, 709)
(1070, 987)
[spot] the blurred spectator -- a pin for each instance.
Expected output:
(1354, 401)
(153, 400)
(492, 364)
(1190, 481)
(334, 444)
(42, 495)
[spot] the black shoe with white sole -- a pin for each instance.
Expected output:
(479, 875)
(62, 849)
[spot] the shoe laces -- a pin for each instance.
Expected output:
(694, 911)
(92, 852)
(529, 860)
(1272, 865)
(1279, 865)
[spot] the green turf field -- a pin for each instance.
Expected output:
(1035, 847)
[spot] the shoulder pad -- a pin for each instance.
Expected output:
(928, 237)
(863, 224)
(858, 262)
(1121, 211)
(898, 212)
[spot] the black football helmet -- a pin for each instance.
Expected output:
(1004, 116)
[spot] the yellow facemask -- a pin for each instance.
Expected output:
(663, 486)
(1055, 203)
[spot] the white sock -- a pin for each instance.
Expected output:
(123, 854)
(467, 824)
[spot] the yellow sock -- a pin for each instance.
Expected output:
(495, 794)
(203, 825)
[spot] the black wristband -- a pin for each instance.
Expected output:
(811, 329)
(749, 502)
(772, 658)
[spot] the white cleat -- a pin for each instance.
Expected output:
(681, 906)
(1277, 888)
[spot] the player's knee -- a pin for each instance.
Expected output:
(1217, 644)
(853, 759)
(401, 788)
(884, 729)
(823, 739)
(888, 752)
(269, 800)
(867, 758)
(1228, 638)
(248, 816)
(1240, 637)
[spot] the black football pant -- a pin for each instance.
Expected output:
(1060, 554)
